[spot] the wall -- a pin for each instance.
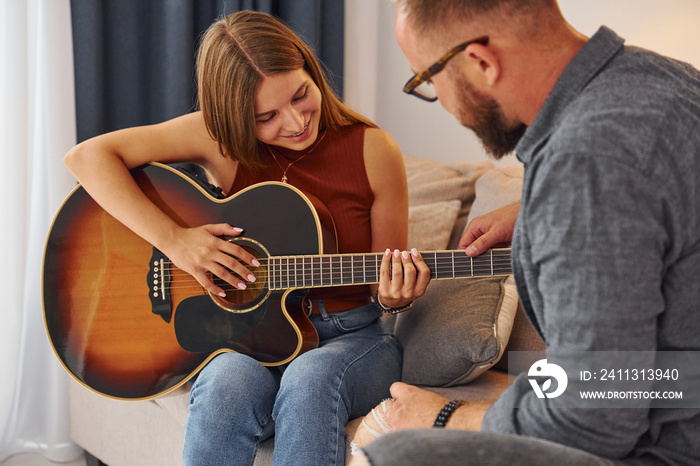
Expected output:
(376, 71)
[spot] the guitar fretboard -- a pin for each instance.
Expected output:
(317, 271)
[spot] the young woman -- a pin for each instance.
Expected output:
(267, 113)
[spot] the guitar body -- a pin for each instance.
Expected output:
(126, 326)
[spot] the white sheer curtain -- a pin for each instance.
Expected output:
(37, 126)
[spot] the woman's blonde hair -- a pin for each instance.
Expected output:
(234, 56)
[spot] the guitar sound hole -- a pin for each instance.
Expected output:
(241, 301)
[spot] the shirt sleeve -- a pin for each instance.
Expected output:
(594, 228)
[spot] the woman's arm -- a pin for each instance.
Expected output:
(102, 165)
(409, 275)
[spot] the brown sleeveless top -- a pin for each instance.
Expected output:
(334, 172)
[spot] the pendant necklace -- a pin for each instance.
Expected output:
(284, 170)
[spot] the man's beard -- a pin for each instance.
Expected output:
(484, 116)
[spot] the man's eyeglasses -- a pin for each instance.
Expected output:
(420, 84)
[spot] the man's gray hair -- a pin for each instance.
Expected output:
(429, 16)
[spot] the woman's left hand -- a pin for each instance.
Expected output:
(403, 277)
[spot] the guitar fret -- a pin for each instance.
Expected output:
(303, 271)
(377, 268)
(364, 270)
(357, 275)
(297, 279)
(352, 270)
(298, 274)
(332, 273)
(320, 269)
(279, 273)
(295, 272)
(288, 282)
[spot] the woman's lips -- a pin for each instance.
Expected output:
(299, 137)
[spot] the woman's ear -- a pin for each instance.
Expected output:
(486, 62)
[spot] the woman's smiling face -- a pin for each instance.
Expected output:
(288, 110)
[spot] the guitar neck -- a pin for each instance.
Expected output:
(326, 270)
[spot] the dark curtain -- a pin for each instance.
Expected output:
(134, 59)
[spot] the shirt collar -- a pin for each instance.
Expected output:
(585, 65)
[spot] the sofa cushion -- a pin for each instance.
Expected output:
(498, 187)
(431, 181)
(457, 330)
(430, 225)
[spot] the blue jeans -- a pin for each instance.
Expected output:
(236, 402)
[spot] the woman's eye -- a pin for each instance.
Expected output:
(267, 120)
(303, 96)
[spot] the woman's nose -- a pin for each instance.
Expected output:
(294, 122)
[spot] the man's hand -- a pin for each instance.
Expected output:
(494, 229)
(415, 408)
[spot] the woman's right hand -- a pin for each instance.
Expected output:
(203, 249)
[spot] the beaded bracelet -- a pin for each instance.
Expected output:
(390, 310)
(446, 411)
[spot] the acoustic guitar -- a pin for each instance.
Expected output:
(126, 323)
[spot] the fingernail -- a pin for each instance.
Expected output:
(238, 229)
(222, 294)
(387, 252)
(251, 277)
(396, 253)
(404, 255)
(471, 250)
(242, 286)
(414, 252)
(255, 263)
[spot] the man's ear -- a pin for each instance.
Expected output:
(486, 62)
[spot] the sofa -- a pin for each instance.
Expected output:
(456, 338)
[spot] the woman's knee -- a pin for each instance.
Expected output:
(230, 377)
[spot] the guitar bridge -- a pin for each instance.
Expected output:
(158, 281)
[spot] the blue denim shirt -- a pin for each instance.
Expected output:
(606, 249)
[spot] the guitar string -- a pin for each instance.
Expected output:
(342, 259)
(327, 277)
(305, 260)
(302, 262)
(299, 272)
(293, 279)
(293, 265)
(292, 270)
(349, 271)
(289, 284)
(305, 268)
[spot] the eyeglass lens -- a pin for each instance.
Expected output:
(426, 89)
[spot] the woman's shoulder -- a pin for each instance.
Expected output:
(381, 154)
(378, 141)
(379, 137)
(373, 136)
